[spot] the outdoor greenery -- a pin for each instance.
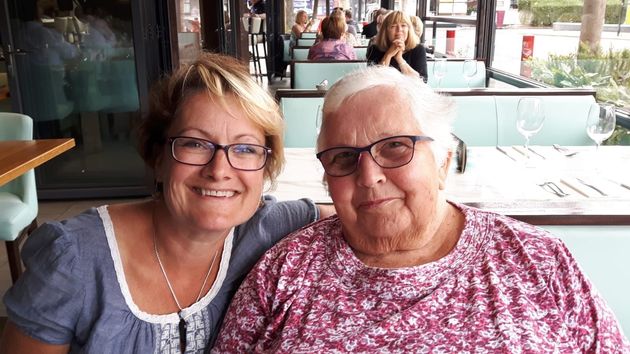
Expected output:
(546, 12)
(608, 73)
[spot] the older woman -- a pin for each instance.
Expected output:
(157, 276)
(401, 269)
(397, 45)
(332, 46)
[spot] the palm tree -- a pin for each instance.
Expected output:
(593, 15)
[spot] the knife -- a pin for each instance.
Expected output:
(592, 187)
(536, 152)
(505, 152)
(619, 183)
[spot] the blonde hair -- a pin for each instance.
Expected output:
(417, 24)
(298, 14)
(219, 76)
(383, 42)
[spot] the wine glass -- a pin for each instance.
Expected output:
(530, 116)
(469, 70)
(439, 70)
(600, 123)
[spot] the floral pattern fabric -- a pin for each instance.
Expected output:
(505, 287)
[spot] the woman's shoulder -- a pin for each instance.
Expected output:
(307, 241)
(65, 236)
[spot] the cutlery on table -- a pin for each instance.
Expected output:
(626, 186)
(592, 187)
(564, 151)
(536, 153)
(553, 188)
(505, 152)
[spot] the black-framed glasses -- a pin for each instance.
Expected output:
(392, 152)
(200, 152)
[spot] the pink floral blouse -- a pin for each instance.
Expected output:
(506, 287)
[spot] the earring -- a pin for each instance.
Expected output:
(158, 188)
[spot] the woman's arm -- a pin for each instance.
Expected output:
(414, 67)
(326, 210)
(15, 341)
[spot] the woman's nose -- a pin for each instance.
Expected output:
(219, 166)
(369, 173)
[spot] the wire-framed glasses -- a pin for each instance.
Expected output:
(200, 152)
(392, 152)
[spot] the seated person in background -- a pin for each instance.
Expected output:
(401, 268)
(302, 24)
(352, 24)
(258, 8)
(157, 276)
(331, 46)
(397, 45)
(416, 24)
(371, 28)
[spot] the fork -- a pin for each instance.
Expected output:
(564, 151)
(554, 188)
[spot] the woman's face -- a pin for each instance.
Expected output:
(398, 30)
(382, 210)
(214, 197)
(303, 18)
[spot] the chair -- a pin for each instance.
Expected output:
(255, 28)
(18, 198)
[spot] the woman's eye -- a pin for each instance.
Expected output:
(244, 149)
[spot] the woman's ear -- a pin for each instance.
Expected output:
(444, 168)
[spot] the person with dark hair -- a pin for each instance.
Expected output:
(258, 8)
(371, 28)
(397, 45)
(157, 275)
(332, 46)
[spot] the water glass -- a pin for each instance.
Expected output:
(530, 116)
(600, 123)
(439, 70)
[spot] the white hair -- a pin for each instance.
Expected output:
(433, 112)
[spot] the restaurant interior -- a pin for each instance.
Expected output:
(543, 107)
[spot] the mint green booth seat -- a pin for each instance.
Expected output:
(602, 253)
(309, 35)
(305, 42)
(454, 75)
(306, 74)
(300, 119)
(18, 198)
(300, 53)
(565, 121)
(487, 117)
(286, 51)
(361, 53)
(476, 120)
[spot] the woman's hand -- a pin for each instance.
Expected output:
(400, 44)
(392, 52)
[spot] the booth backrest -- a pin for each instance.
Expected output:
(454, 76)
(309, 35)
(487, 117)
(476, 120)
(361, 53)
(305, 42)
(301, 53)
(602, 253)
(300, 117)
(307, 74)
(565, 120)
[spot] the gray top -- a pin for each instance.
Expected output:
(74, 290)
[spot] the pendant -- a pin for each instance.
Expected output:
(182, 333)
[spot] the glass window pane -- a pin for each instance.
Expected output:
(541, 40)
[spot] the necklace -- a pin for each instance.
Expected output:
(182, 321)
